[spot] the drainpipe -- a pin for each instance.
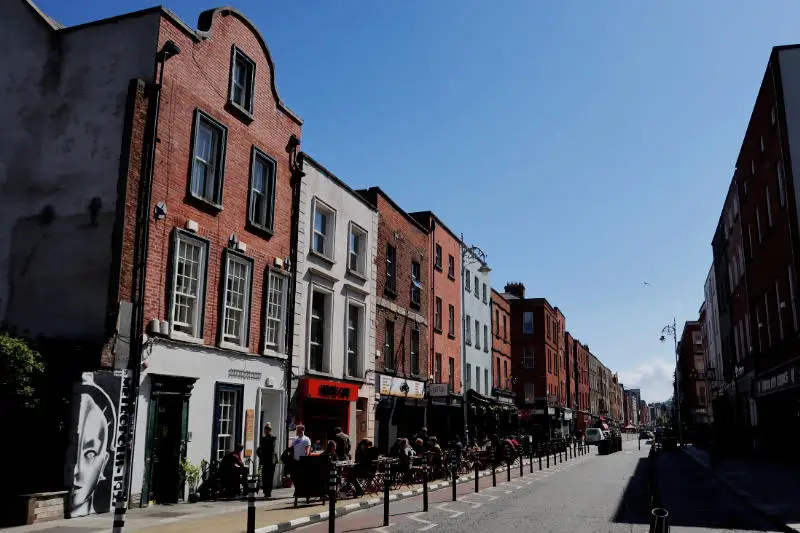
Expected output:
(141, 251)
(295, 180)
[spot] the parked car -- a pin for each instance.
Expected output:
(594, 435)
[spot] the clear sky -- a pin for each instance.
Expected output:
(586, 146)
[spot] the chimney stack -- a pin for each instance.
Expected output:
(516, 288)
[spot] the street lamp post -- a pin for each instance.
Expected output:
(672, 331)
(469, 255)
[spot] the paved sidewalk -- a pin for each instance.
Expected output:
(771, 487)
(276, 515)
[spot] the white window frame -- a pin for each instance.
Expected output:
(528, 357)
(414, 353)
(477, 335)
(477, 287)
(212, 192)
(485, 338)
(225, 340)
(485, 300)
(361, 343)
(467, 281)
(526, 314)
(416, 284)
(477, 379)
(437, 313)
(468, 330)
(359, 256)
(248, 90)
(468, 375)
(327, 328)
(196, 333)
(329, 235)
(278, 348)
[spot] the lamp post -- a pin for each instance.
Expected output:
(469, 255)
(672, 331)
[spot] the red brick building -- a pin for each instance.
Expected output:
(217, 273)
(402, 318)
(582, 360)
(445, 414)
(501, 349)
(535, 325)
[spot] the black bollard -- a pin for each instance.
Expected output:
(386, 485)
(251, 506)
(494, 473)
(530, 458)
(477, 476)
(455, 471)
(508, 469)
(425, 483)
(521, 457)
(332, 484)
(540, 459)
(548, 458)
(659, 521)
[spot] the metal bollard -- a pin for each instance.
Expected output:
(521, 457)
(118, 525)
(540, 459)
(386, 485)
(508, 469)
(659, 521)
(477, 475)
(333, 480)
(530, 458)
(425, 483)
(548, 458)
(455, 471)
(494, 473)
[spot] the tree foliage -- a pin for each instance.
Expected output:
(20, 367)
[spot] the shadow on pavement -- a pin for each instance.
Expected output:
(633, 506)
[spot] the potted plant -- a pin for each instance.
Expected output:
(191, 473)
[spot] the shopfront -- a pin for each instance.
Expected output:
(401, 411)
(777, 396)
(325, 405)
(445, 413)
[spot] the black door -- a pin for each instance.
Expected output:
(166, 449)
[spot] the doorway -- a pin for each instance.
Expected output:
(167, 425)
(321, 417)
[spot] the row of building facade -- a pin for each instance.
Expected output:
(159, 213)
(741, 377)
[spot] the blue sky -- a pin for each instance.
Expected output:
(585, 146)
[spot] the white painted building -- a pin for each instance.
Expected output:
(334, 340)
(710, 327)
(476, 322)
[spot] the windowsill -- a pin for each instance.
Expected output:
(438, 267)
(320, 373)
(205, 204)
(392, 371)
(468, 343)
(451, 335)
(269, 352)
(258, 229)
(355, 379)
(356, 274)
(415, 305)
(323, 257)
(225, 345)
(243, 114)
(390, 292)
(184, 337)
(451, 277)
(437, 330)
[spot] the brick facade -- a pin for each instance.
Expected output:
(446, 286)
(501, 342)
(394, 304)
(269, 130)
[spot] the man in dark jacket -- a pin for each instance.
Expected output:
(268, 459)
(342, 441)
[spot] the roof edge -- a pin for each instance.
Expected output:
(304, 157)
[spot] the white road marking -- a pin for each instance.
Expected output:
(498, 488)
(430, 525)
(443, 507)
(473, 505)
(383, 529)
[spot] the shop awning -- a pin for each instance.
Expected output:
(629, 426)
(477, 397)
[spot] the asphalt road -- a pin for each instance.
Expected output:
(588, 494)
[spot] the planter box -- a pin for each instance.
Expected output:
(44, 506)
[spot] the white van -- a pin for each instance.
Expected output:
(594, 435)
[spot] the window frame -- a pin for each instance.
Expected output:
(390, 280)
(202, 284)
(355, 229)
(327, 328)
(329, 237)
(201, 116)
(416, 284)
(477, 287)
(526, 358)
(438, 371)
(525, 331)
(228, 257)
(451, 266)
(468, 330)
(437, 257)
(280, 348)
(467, 280)
(477, 334)
(268, 226)
(388, 345)
(451, 320)
(249, 105)
(237, 419)
(485, 338)
(437, 314)
(361, 340)
(484, 294)
(414, 355)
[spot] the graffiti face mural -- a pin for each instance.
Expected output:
(94, 444)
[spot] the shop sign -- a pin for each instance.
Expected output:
(235, 373)
(249, 431)
(567, 415)
(505, 399)
(777, 382)
(401, 387)
(538, 411)
(438, 390)
(331, 390)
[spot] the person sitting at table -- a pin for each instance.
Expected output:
(330, 450)
(419, 446)
(232, 472)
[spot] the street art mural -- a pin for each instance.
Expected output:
(96, 455)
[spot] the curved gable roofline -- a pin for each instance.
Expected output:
(205, 25)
